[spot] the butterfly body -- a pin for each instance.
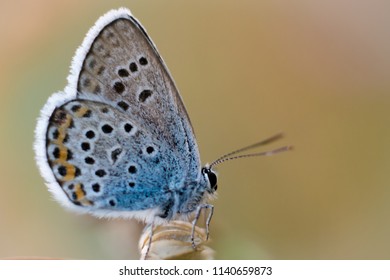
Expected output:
(118, 140)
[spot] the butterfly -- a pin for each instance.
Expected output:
(117, 141)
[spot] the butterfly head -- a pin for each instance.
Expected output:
(211, 177)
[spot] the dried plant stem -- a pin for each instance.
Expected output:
(172, 241)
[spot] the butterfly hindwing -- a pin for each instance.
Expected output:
(104, 167)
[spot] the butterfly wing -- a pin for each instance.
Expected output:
(118, 142)
(122, 67)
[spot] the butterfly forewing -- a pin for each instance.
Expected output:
(124, 69)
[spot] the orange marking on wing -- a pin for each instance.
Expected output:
(63, 155)
(62, 159)
(70, 172)
(62, 129)
(81, 112)
(80, 196)
(80, 193)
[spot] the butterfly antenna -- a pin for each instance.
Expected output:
(261, 143)
(271, 139)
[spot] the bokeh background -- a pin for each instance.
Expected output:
(317, 70)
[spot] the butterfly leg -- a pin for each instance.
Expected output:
(145, 256)
(197, 215)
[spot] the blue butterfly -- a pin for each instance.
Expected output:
(118, 142)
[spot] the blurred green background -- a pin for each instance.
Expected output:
(317, 70)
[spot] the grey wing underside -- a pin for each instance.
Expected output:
(123, 68)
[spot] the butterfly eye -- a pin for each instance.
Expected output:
(212, 177)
